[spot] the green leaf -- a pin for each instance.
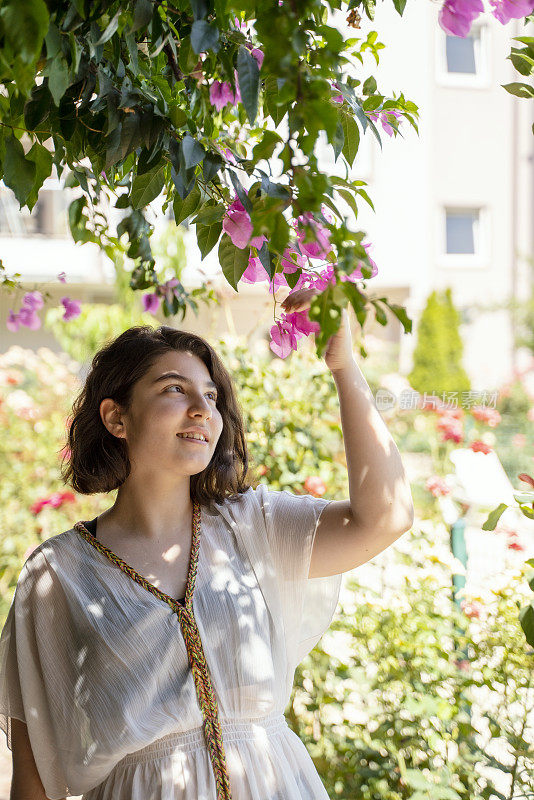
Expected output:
(37, 107)
(265, 148)
(110, 30)
(338, 140)
(211, 165)
(328, 315)
(349, 198)
(249, 81)
(177, 116)
(19, 173)
(192, 151)
(519, 89)
(352, 137)
(204, 35)
(42, 158)
(142, 14)
(24, 24)
(209, 213)
(147, 187)
(58, 77)
(369, 87)
(184, 208)
(400, 313)
(233, 260)
(526, 620)
(494, 517)
(207, 237)
(399, 6)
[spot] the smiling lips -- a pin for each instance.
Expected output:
(192, 439)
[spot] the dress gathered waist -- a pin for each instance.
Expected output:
(255, 730)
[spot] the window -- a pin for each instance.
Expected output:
(462, 230)
(463, 237)
(463, 61)
(460, 53)
(47, 218)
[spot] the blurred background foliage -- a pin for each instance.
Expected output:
(408, 695)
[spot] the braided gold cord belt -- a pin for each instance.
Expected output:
(197, 661)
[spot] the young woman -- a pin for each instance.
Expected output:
(149, 653)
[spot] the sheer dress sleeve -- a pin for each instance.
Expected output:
(307, 604)
(35, 671)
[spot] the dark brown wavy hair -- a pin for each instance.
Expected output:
(98, 461)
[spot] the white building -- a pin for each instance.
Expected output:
(454, 204)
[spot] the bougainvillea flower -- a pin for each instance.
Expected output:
(288, 264)
(456, 16)
(27, 316)
(13, 321)
(302, 323)
(313, 249)
(505, 10)
(386, 125)
(72, 308)
(237, 224)
(62, 277)
(283, 338)
(151, 302)
(33, 300)
(357, 273)
(255, 272)
(221, 94)
(258, 55)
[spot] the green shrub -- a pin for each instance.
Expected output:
(438, 353)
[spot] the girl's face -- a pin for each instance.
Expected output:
(163, 405)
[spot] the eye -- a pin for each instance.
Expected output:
(176, 386)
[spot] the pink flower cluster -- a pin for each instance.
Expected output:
(55, 500)
(293, 326)
(456, 16)
(383, 117)
(32, 302)
(221, 91)
(151, 302)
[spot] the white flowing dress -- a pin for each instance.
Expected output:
(97, 668)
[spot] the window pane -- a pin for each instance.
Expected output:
(461, 232)
(461, 54)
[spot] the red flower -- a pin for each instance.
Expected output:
(437, 486)
(451, 428)
(480, 447)
(315, 485)
(470, 609)
(488, 415)
(513, 545)
(55, 500)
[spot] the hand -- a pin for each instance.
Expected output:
(338, 353)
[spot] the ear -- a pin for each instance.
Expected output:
(112, 417)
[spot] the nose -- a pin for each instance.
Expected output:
(201, 405)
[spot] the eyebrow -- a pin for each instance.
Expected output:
(183, 378)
